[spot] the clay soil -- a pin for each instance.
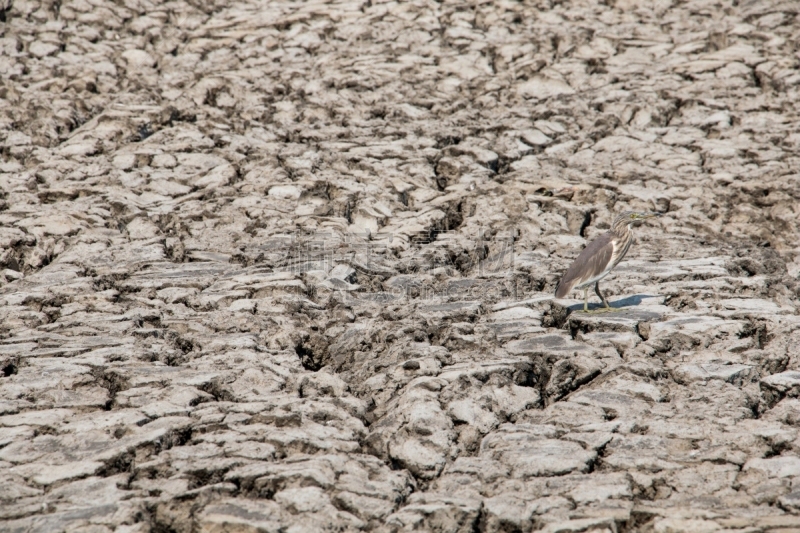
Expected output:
(287, 266)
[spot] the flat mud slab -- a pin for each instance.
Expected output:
(288, 266)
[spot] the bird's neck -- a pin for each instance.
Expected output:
(621, 228)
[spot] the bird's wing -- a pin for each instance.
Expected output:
(594, 260)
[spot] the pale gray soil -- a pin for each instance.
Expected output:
(282, 266)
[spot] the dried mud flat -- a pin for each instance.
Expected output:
(280, 266)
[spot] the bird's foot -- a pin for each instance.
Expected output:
(601, 310)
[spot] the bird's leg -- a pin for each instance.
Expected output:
(600, 294)
(586, 300)
(603, 298)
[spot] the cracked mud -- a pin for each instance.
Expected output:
(284, 266)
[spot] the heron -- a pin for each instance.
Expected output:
(600, 257)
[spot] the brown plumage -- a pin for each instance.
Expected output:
(600, 257)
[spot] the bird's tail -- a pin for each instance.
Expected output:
(562, 290)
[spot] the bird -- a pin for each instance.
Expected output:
(600, 257)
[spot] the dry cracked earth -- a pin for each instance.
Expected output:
(285, 266)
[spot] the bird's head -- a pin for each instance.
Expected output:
(633, 218)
